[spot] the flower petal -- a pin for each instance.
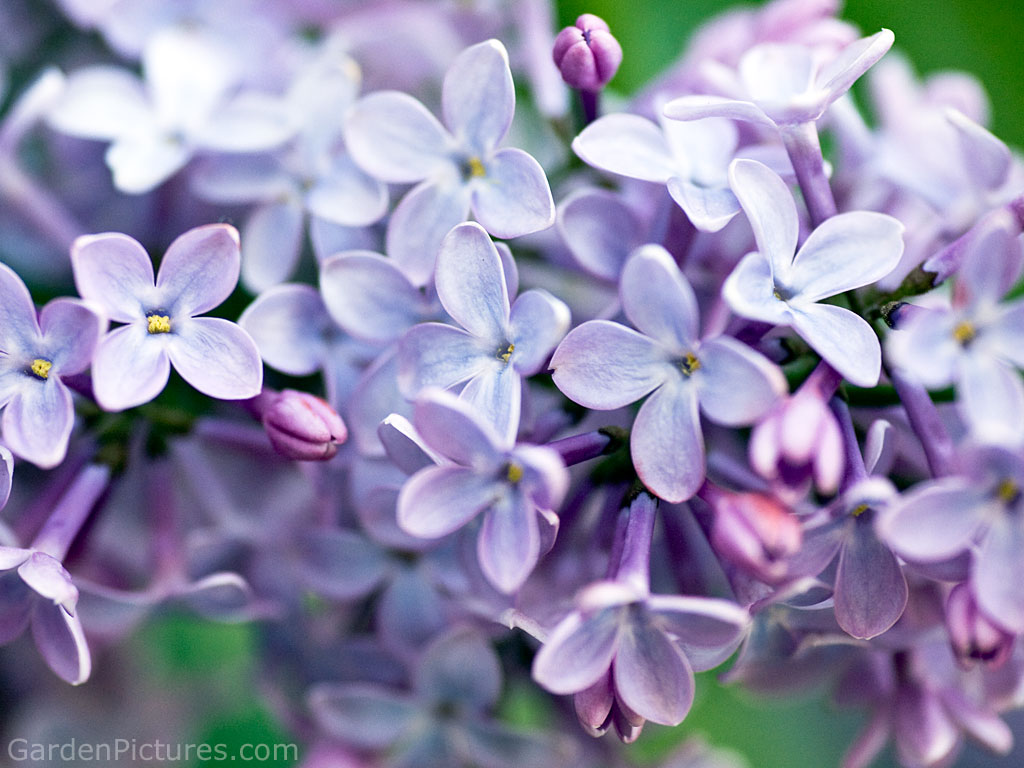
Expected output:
(628, 145)
(998, 570)
(709, 208)
(538, 321)
(419, 224)
(991, 395)
(870, 589)
(478, 96)
(750, 292)
(666, 442)
(130, 367)
(139, 164)
(843, 339)
(217, 357)
(934, 521)
(579, 651)
(700, 107)
(71, 330)
(288, 324)
(200, 269)
(37, 422)
(651, 675)
(658, 300)
(508, 545)
(470, 282)
(497, 394)
(769, 206)
(439, 500)
(347, 196)
(513, 198)
(115, 272)
(707, 629)
(439, 355)
(101, 102)
(737, 385)
(272, 243)
(456, 430)
(61, 642)
(600, 230)
(362, 715)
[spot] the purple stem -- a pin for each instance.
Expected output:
(926, 423)
(589, 445)
(591, 103)
(855, 469)
(635, 560)
(804, 150)
(72, 511)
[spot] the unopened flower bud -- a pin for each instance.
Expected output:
(303, 427)
(756, 533)
(973, 635)
(587, 54)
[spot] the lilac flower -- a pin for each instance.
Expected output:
(587, 54)
(34, 354)
(604, 365)
(774, 286)
(184, 105)
(984, 508)
(624, 646)
(199, 271)
(394, 138)
(976, 342)
(509, 486)
(498, 344)
(780, 84)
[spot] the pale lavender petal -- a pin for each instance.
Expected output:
(114, 271)
(513, 198)
(369, 296)
(707, 629)
(998, 570)
(130, 367)
(736, 385)
(272, 243)
(709, 208)
(410, 611)
(1006, 332)
(700, 107)
(492, 742)
(403, 444)
(497, 394)
(12, 557)
(666, 442)
(101, 102)
(545, 479)
(537, 323)
(37, 422)
(604, 365)
(217, 357)
(843, 339)
(508, 545)
(470, 282)
(339, 564)
(847, 251)
(880, 447)
(870, 589)
(852, 62)
(438, 500)
(220, 596)
(18, 322)
(651, 675)
(508, 266)
(71, 331)
(658, 300)
(750, 292)
(376, 396)
(478, 96)
(250, 122)
(347, 196)
(187, 76)
(460, 666)
(288, 323)
(991, 396)
(6, 473)
(600, 230)
(139, 164)
(61, 642)
(200, 269)
(456, 430)
(236, 179)
(579, 651)
(990, 267)
(48, 579)
(779, 79)
(393, 137)
(987, 159)
(925, 734)
(438, 355)
(362, 715)
(925, 349)
(769, 206)
(628, 145)
(934, 521)
(419, 224)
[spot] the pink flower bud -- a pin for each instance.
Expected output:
(756, 533)
(303, 427)
(587, 54)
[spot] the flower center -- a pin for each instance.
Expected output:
(689, 364)
(505, 354)
(40, 368)
(964, 333)
(158, 323)
(473, 168)
(514, 472)
(1008, 492)
(860, 509)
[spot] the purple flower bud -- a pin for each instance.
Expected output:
(755, 532)
(303, 427)
(587, 54)
(973, 635)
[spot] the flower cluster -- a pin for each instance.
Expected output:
(496, 383)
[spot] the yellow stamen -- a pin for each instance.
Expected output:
(41, 368)
(159, 324)
(504, 356)
(689, 364)
(1007, 491)
(964, 332)
(860, 509)
(476, 168)
(515, 473)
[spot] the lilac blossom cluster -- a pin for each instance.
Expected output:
(492, 389)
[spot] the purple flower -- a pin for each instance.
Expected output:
(498, 344)
(587, 54)
(458, 167)
(35, 352)
(199, 271)
(509, 486)
(605, 365)
(775, 286)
